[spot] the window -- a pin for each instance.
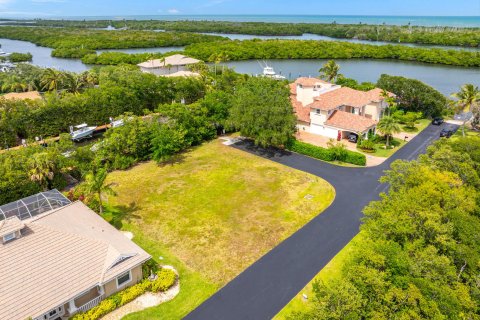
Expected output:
(317, 111)
(124, 279)
(9, 237)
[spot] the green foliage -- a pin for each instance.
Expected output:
(413, 95)
(165, 280)
(303, 49)
(261, 110)
(330, 71)
(352, 83)
(166, 141)
(19, 57)
(388, 125)
(468, 37)
(76, 43)
(326, 154)
(418, 257)
(366, 145)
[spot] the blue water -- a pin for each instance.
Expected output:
(457, 21)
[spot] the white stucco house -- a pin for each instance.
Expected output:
(333, 111)
(172, 66)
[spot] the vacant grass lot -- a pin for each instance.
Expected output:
(211, 214)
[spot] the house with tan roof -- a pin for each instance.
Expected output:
(176, 63)
(59, 258)
(333, 111)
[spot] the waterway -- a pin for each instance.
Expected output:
(446, 79)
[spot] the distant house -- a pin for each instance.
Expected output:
(58, 258)
(30, 95)
(333, 111)
(169, 65)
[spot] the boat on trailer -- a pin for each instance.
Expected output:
(83, 131)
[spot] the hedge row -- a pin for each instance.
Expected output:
(324, 154)
(165, 279)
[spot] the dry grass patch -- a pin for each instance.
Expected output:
(218, 209)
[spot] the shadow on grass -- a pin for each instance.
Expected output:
(116, 215)
(270, 152)
(176, 159)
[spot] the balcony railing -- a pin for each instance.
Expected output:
(90, 304)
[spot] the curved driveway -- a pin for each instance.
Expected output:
(265, 287)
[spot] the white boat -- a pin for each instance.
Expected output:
(268, 72)
(82, 131)
(116, 123)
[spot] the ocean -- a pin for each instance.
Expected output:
(430, 21)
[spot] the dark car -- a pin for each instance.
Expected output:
(437, 121)
(353, 138)
(447, 132)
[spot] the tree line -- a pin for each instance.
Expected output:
(303, 49)
(417, 255)
(447, 36)
(75, 42)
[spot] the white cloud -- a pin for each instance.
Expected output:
(173, 11)
(214, 3)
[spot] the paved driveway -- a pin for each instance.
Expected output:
(265, 287)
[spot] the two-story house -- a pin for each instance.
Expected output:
(333, 111)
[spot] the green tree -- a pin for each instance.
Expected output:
(330, 71)
(388, 125)
(261, 110)
(51, 79)
(42, 168)
(468, 100)
(166, 141)
(95, 184)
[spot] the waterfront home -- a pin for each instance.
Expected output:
(168, 65)
(59, 258)
(30, 95)
(333, 111)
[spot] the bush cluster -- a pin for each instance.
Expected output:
(327, 154)
(165, 279)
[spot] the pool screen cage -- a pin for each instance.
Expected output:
(34, 205)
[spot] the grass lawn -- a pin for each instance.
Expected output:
(420, 125)
(468, 133)
(331, 271)
(211, 214)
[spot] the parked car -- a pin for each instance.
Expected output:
(437, 121)
(353, 137)
(447, 132)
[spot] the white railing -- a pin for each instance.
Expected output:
(90, 304)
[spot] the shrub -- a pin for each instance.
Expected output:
(326, 154)
(165, 279)
(310, 150)
(367, 145)
(355, 158)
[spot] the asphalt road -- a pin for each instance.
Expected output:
(265, 287)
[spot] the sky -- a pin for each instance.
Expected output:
(67, 8)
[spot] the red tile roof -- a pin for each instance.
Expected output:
(293, 88)
(309, 82)
(349, 121)
(346, 97)
(303, 113)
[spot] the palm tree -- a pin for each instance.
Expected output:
(41, 169)
(223, 57)
(468, 100)
(388, 125)
(95, 184)
(391, 102)
(330, 71)
(73, 83)
(51, 79)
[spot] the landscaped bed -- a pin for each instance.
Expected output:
(211, 213)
